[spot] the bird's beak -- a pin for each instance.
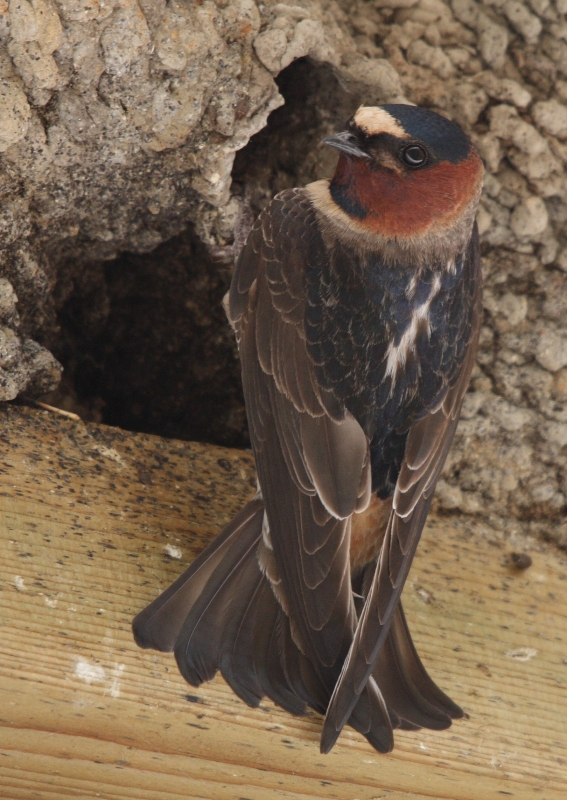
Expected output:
(346, 142)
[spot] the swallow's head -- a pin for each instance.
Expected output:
(404, 171)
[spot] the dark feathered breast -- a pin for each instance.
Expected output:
(386, 339)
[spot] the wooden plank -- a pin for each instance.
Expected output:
(93, 521)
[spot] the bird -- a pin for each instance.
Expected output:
(356, 304)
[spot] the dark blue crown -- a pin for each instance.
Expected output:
(446, 139)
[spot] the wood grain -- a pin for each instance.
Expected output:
(93, 521)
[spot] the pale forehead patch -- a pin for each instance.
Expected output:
(373, 120)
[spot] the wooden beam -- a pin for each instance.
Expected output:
(94, 522)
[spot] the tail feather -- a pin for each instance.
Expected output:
(237, 653)
(222, 613)
(268, 660)
(401, 694)
(213, 621)
(158, 626)
(370, 717)
(298, 670)
(415, 696)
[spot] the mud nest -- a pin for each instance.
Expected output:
(144, 340)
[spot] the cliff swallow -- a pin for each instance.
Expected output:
(356, 305)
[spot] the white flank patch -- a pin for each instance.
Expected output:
(172, 551)
(410, 291)
(50, 601)
(19, 583)
(522, 653)
(89, 673)
(397, 355)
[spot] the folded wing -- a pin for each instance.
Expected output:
(312, 456)
(427, 446)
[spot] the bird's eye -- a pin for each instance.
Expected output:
(414, 156)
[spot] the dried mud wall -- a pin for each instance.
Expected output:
(130, 132)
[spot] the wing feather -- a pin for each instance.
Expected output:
(312, 456)
(265, 321)
(335, 454)
(427, 445)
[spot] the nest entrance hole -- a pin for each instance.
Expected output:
(143, 339)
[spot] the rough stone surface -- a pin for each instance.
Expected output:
(123, 121)
(551, 116)
(529, 218)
